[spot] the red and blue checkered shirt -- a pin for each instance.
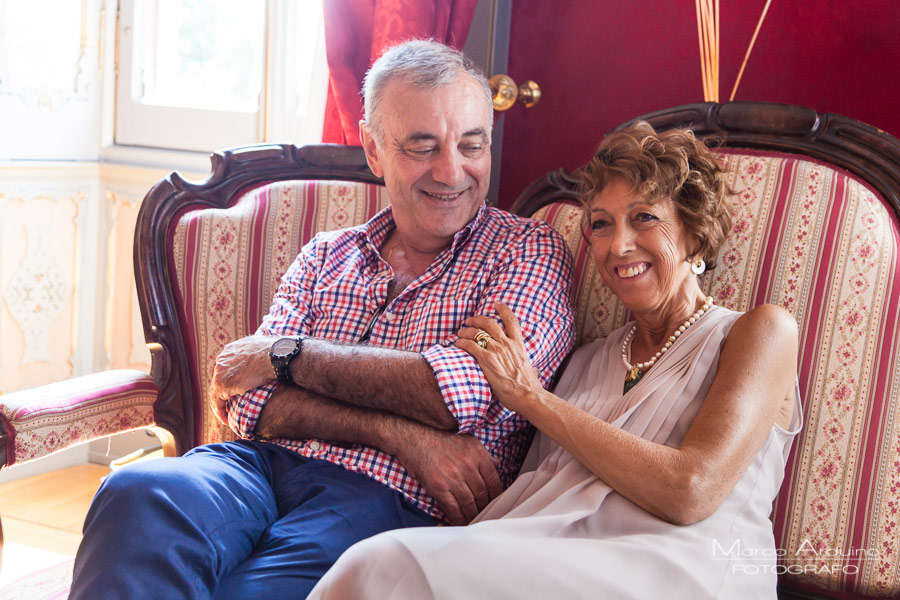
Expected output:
(339, 283)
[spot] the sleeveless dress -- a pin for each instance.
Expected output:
(560, 532)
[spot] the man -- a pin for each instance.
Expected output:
(358, 412)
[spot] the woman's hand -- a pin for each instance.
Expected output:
(504, 361)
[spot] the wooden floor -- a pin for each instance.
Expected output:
(44, 513)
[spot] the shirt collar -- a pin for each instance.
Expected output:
(376, 230)
(466, 232)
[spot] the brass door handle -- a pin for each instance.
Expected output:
(505, 93)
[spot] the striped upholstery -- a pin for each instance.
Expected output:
(228, 263)
(59, 415)
(808, 237)
(820, 243)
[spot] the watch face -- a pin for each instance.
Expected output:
(284, 347)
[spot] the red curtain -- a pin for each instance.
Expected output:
(356, 31)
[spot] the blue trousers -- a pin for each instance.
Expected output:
(233, 520)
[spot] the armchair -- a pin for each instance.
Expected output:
(209, 257)
(817, 231)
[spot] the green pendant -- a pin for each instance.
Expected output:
(632, 378)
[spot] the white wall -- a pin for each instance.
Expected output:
(67, 298)
(50, 92)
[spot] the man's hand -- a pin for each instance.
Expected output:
(455, 469)
(241, 366)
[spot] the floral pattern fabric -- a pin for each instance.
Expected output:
(54, 417)
(818, 242)
(229, 262)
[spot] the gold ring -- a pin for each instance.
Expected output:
(482, 338)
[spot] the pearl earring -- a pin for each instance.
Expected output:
(698, 266)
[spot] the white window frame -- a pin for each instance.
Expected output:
(198, 130)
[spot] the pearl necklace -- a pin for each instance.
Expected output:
(635, 372)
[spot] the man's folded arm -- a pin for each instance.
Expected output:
(457, 471)
(296, 413)
(396, 381)
(535, 282)
(289, 412)
(443, 387)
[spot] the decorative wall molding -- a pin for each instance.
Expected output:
(48, 79)
(68, 304)
(124, 340)
(37, 293)
(39, 249)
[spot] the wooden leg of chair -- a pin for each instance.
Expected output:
(167, 440)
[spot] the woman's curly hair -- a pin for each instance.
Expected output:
(670, 164)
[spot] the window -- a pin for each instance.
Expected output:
(40, 53)
(204, 75)
(49, 96)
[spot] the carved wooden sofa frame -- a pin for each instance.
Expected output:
(208, 256)
(234, 172)
(818, 215)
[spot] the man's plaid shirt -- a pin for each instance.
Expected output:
(339, 282)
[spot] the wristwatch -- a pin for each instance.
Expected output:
(282, 352)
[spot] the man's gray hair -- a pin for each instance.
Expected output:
(422, 63)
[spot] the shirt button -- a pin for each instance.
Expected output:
(315, 446)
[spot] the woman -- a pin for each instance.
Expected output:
(662, 447)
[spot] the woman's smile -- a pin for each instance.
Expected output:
(631, 271)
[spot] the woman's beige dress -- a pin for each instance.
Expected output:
(560, 532)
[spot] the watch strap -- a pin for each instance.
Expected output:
(281, 362)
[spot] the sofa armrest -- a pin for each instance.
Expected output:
(43, 420)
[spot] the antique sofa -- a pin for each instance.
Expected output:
(817, 229)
